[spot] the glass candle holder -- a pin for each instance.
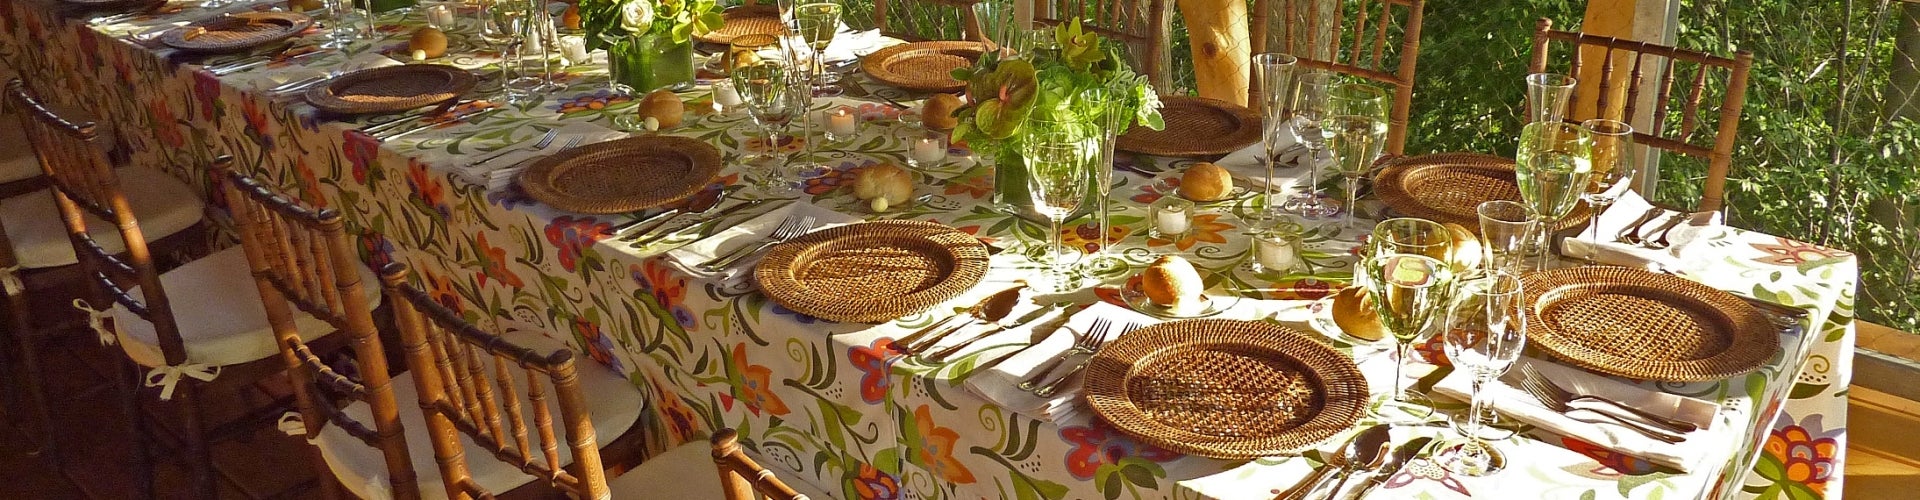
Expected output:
(928, 149)
(1277, 249)
(573, 48)
(1170, 217)
(842, 125)
(439, 15)
(726, 97)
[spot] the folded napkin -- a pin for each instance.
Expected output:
(498, 172)
(1001, 383)
(1626, 211)
(756, 230)
(1684, 456)
(1245, 165)
(261, 78)
(849, 45)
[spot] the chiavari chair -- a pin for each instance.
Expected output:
(921, 20)
(1351, 38)
(1143, 26)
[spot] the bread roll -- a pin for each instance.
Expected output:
(1466, 252)
(1353, 313)
(883, 182)
(663, 105)
(1172, 282)
(1206, 182)
(428, 40)
(938, 112)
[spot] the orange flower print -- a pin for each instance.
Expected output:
(786, 144)
(493, 264)
(165, 125)
(1793, 253)
(1801, 455)
(440, 288)
(309, 184)
(934, 451)
(427, 188)
(975, 187)
(259, 125)
(591, 102)
(755, 386)
(680, 419)
(1205, 227)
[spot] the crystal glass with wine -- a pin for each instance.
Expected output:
(1553, 167)
(1613, 168)
(1355, 129)
(1411, 282)
(818, 23)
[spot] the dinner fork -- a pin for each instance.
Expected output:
(1630, 234)
(546, 140)
(1086, 341)
(1534, 388)
(1099, 340)
(1662, 242)
(1578, 400)
(790, 228)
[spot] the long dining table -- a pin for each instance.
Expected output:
(834, 404)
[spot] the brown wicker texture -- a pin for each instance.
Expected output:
(391, 89)
(1225, 388)
(235, 32)
(101, 4)
(1196, 126)
(635, 173)
(1644, 325)
(872, 272)
(925, 66)
(1449, 187)
(746, 20)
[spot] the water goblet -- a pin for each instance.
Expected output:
(1410, 281)
(1057, 179)
(1505, 229)
(1485, 330)
(1554, 163)
(1613, 168)
(1355, 129)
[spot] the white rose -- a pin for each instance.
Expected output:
(637, 15)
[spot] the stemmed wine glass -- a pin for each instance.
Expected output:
(343, 33)
(1308, 107)
(1275, 74)
(537, 37)
(499, 26)
(1410, 281)
(1547, 96)
(1613, 167)
(1356, 130)
(800, 76)
(818, 22)
(1554, 162)
(764, 87)
(1057, 163)
(1486, 328)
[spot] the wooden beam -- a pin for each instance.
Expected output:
(1221, 51)
(1614, 18)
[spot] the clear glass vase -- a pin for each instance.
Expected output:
(639, 64)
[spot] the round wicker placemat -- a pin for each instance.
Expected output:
(1645, 325)
(745, 20)
(235, 32)
(625, 175)
(1449, 187)
(872, 272)
(925, 66)
(390, 89)
(1225, 388)
(1196, 126)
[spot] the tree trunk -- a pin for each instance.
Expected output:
(1904, 81)
(1221, 52)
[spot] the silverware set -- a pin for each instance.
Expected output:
(942, 355)
(1563, 402)
(246, 63)
(423, 124)
(1658, 238)
(545, 140)
(791, 227)
(702, 226)
(1085, 344)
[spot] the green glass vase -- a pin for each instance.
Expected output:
(639, 64)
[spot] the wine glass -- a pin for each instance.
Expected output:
(1486, 328)
(1356, 130)
(1547, 96)
(1410, 281)
(1554, 162)
(1275, 74)
(818, 22)
(1506, 227)
(343, 33)
(800, 77)
(1308, 107)
(1613, 168)
(536, 35)
(498, 24)
(764, 87)
(1057, 163)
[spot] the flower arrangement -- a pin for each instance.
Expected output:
(618, 19)
(1054, 80)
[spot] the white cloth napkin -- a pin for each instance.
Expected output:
(849, 45)
(1001, 383)
(265, 77)
(1245, 165)
(499, 172)
(1684, 456)
(1631, 208)
(756, 230)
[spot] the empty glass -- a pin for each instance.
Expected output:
(1505, 229)
(801, 76)
(1613, 168)
(763, 86)
(1101, 173)
(342, 32)
(1356, 131)
(1486, 328)
(533, 64)
(1553, 165)
(1547, 96)
(1273, 72)
(1307, 107)
(1057, 162)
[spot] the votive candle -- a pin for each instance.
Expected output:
(1171, 217)
(842, 123)
(929, 150)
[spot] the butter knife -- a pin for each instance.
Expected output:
(997, 328)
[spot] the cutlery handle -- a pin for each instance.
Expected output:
(1034, 381)
(942, 355)
(1306, 486)
(734, 257)
(1651, 432)
(935, 339)
(1342, 483)
(1602, 405)
(911, 338)
(1054, 386)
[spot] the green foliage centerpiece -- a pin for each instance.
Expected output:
(649, 42)
(1060, 81)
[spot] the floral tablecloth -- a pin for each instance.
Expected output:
(831, 402)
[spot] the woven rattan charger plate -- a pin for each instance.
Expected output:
(390, 89)
(1449, 187)
(745, 20)
(925, 66)
(1644, 325)
(872, 272)
(625, 175)
(1196, 126)
(1225, 388)
(234, 32)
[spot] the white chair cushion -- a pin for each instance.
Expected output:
(687, 473)
(218, 308)
(163, 205)
(614, 402)
(16, 165)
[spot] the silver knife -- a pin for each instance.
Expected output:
(419, 126)
(997, 328)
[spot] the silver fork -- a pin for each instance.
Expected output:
(1577, 400)
(1084, 342)
(1535, 387)
(545, 141)
(1101, 339)
(789, 228)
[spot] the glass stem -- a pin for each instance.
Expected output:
(1404, 350)
(1104, 207)
(1058, 267)
(1477, 407)
(1267, 209)
(1353, 195)
(1544, 226)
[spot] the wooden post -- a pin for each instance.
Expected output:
(1221, 51)
(1614, 18)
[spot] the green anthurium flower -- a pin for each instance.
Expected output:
(1080, 48)
(1003, 98)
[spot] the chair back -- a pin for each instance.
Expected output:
(1143, 26)
(1376, 40)
(1702, 71)
(740, 477)
(301, 257)
(921, 20)
(466, 385)
(84, 183)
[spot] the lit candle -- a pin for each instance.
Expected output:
(841, 123)
(1171, 222)
(1170, 216)
(1277, 249)
(440, 16)
(929, 150)
(725, 95)
(574, 48)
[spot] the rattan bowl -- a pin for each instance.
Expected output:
(1449, 187)
(872, 272)
(390, 89)
(625, 175)
(746, 20)
(925, 66)
(1196, 127)
(1645, 325)
(235, 32)
(1225, 388)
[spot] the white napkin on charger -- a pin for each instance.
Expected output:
(1245, 165)
(1000, 383)
(1631, 208)
(756, 230)
(499, 172)
(1512, 401)
(849, 45)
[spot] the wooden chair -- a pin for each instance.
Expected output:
(476, 389)
(1356, 44)
(1640, 57)
(921, 20)
(302, 257)
(695, 471)
(1143, 26)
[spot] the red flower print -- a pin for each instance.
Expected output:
(591, 102)
(361, 151)
(667, 287)
(755, 387)
(1793, 253)
(934, 451)
(574, 235)
(165, 125)
(1205, 227)
(1152, 191)
(680, 419)
(975, 187)
(493, 264)
(309, 184)
(1096, 444)
(427, 188)
(377, 249)
(1433, 351)
(1609, 464)
(834, 178)
(1086, 236)
(872, 484)
(206, 88)
(875, 363)
(259, 125)
(599, 347)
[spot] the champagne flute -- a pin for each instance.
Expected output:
(1356, 130)
(341, 32)
(1105, 100)
(763, 87)
(800, 77)
(1410, 281)
(1308, 107)
(499, 26)
(1057, 161)
(818, 22)
(1554, 162)
(1485, 331)
(1613, 168)
(1275, 73)
(535, 32)
(1547, 96)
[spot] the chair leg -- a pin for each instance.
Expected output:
(195, 450)
(127, 378)
(28, 341)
